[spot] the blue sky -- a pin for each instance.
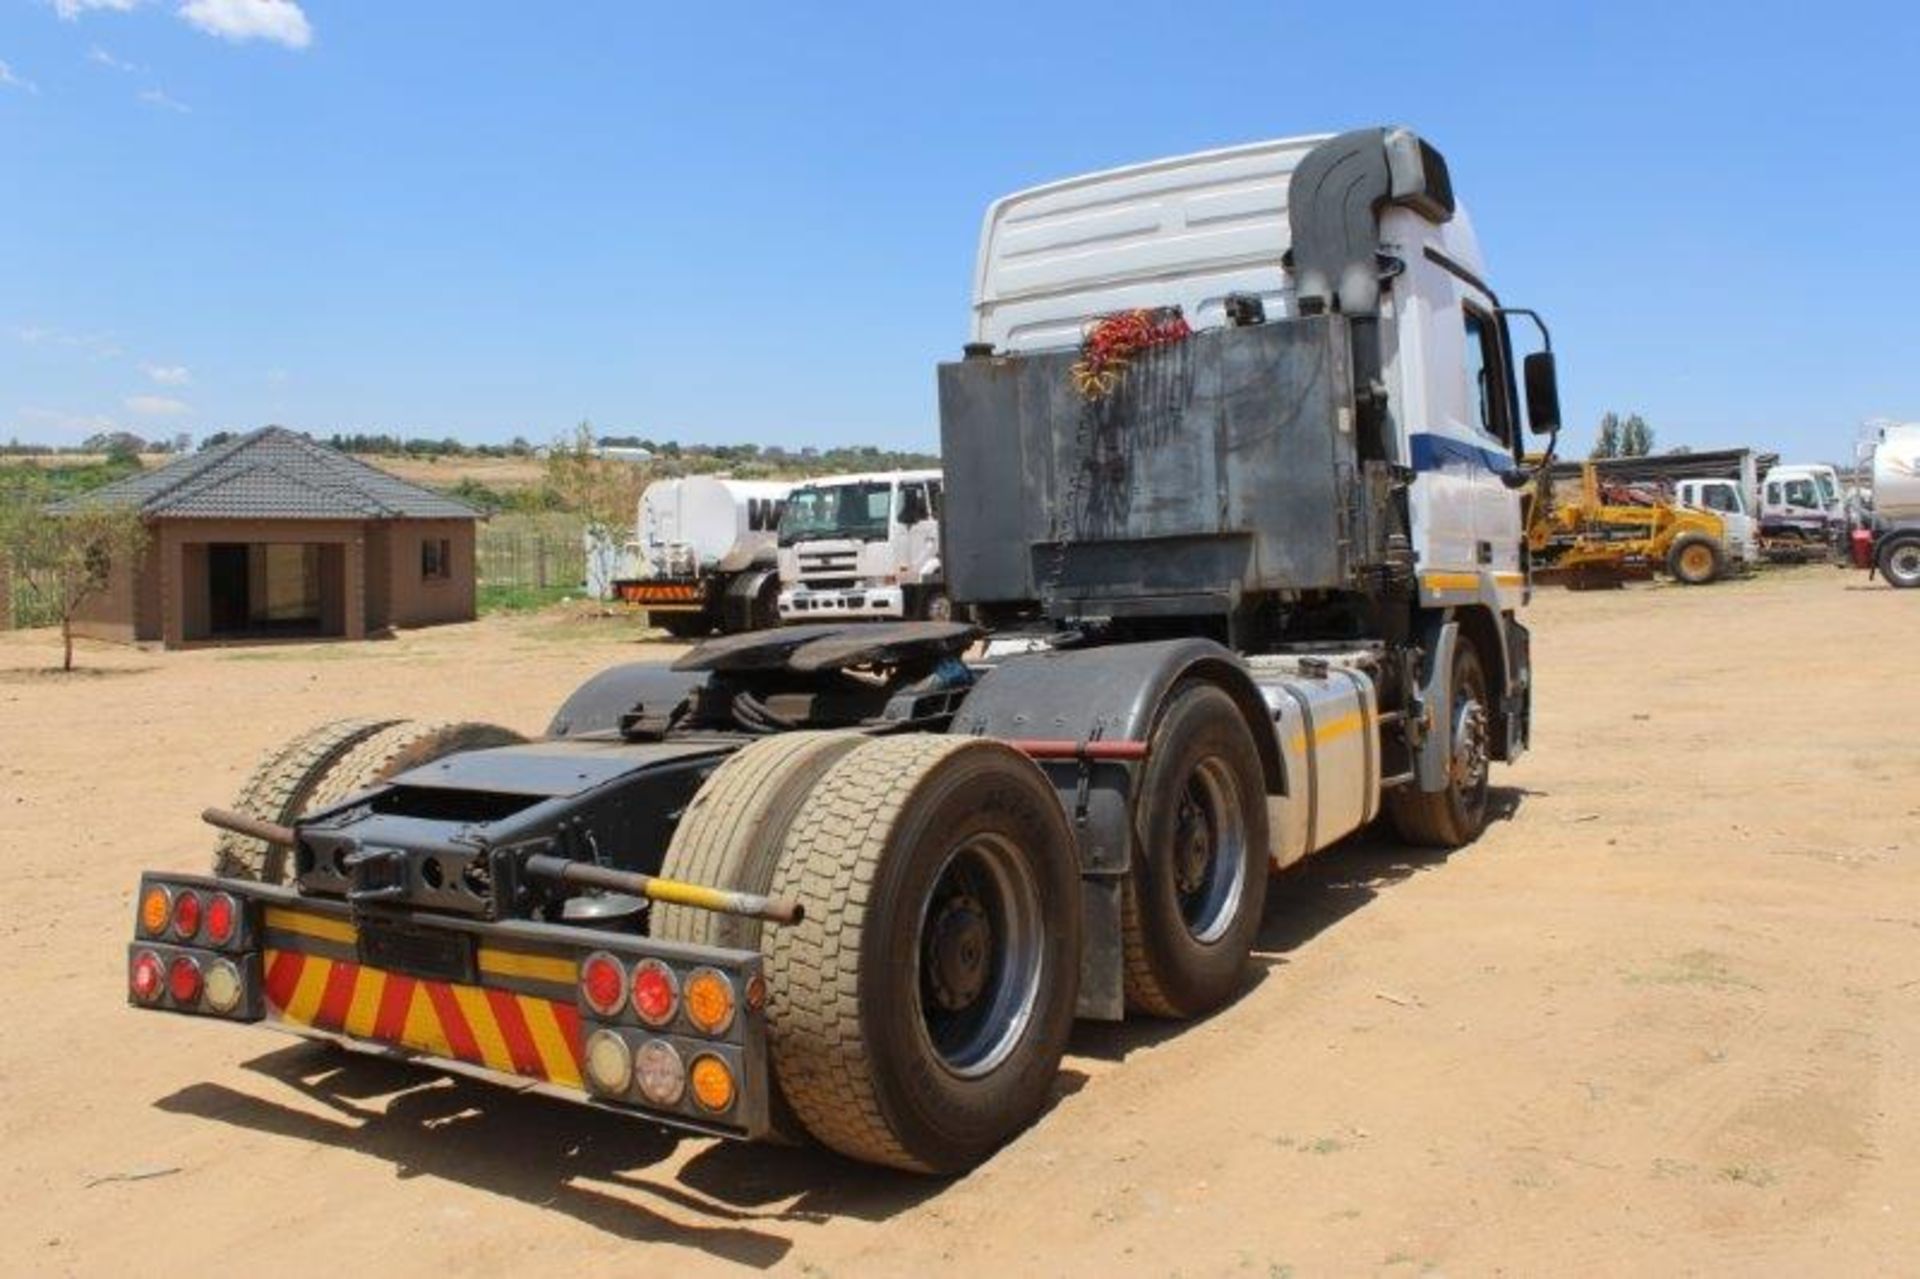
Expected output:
(751, 222)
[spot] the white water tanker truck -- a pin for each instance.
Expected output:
(1886, 538)
(706, 552)
(1233, 470)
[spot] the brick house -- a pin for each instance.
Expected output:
(272, 536)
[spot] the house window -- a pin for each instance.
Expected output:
(436, 559)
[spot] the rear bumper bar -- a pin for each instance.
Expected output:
(500, 1001)
(665, 595)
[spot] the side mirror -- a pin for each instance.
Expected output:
(1543, 393)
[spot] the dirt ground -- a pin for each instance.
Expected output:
(1663, 1018)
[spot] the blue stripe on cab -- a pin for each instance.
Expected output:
(1438, 452)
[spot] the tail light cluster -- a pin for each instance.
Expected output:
(193, 916)
(663, 1036)
(192, 953)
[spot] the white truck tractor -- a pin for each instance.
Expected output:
(1728, 499)
(1233, 468)
(1887, 538)
(863, 547)
(705, 553)
(1802, 515)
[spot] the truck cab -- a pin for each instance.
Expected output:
(1724, 498)
(863, 546)
(1801, 509)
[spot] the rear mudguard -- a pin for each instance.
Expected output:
(647, 689)
(1112, 693)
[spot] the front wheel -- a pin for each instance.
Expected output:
(1900, 562)
(1695, 560)
(1456, 815)
(919, 1011)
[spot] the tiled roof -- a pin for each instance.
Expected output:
(274, 474)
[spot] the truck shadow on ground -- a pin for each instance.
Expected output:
(1303, 902)
(731, 1200)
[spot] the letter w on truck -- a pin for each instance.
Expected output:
(1233, 483)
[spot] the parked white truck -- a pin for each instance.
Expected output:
(1726, 498)
(863, 547)
(704, 551)
(1235, 453)
(1802, 515)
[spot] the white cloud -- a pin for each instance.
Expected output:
(168, 374)
(101, 58)
(72, 9)
(8, 80)
(159, 98)
(97, 345)
(281, 21)
(156, 406)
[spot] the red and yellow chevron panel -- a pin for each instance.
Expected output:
(661, 592)
(500, 1029)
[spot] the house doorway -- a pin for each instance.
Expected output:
(275, 590)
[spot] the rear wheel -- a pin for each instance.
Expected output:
(1455, 816)
(766, 605)
(731, 838)
(1695, 559)
(277, 791)
(935, 606)
(1194, 895)
(919, 1011)
(733, 829)
(1900, 562)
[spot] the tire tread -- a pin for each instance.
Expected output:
(829, 862)
(277, 790)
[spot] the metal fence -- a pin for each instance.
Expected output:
(538, 551)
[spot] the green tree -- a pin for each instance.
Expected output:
(1607, 442)
(63, 560)
(604, 490)
(1636, 437)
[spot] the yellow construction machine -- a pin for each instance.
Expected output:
(1616, 533)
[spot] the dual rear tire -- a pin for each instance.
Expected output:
(918, 1012)
(328, 764)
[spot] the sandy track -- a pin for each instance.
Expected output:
(1664, 1017)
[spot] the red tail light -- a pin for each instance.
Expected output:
(186, 914)
(183, 981)
(603, 983)
(655, 992)
(220, 918)
(147, 977)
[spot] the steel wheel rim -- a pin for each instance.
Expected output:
(1904, 563)
(1697, 560)
(974, 1008)
(1209, 851)
(939, 609)
(1472, 761)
